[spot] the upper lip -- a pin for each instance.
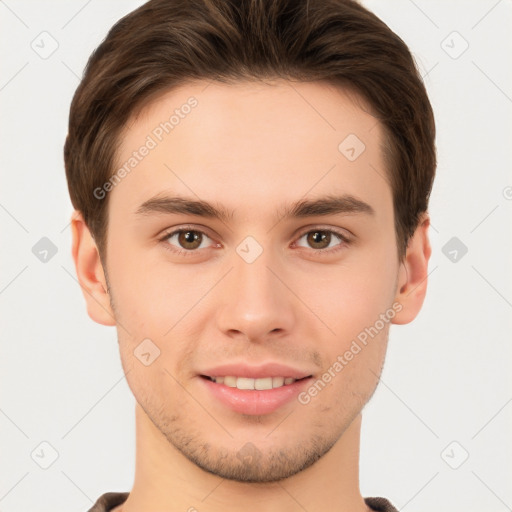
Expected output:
(254, 372)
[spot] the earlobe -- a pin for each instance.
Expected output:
(90, 272)
(413, 273)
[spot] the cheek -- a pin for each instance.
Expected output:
(353, 353)
(350, 301)
(155, 312)
(150, 296)
(348, 298)
(154, 386)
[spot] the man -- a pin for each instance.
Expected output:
(251, 182)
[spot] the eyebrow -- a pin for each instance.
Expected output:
(323, 206)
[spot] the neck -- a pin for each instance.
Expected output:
(166, 480)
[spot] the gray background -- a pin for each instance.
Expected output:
(436, 435)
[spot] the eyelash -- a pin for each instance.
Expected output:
(191, 252)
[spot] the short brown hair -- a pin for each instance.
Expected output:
(166, 43)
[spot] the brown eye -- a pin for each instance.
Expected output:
(319, 239)
(185, 240)
(188, 239)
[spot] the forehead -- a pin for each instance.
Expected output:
(252, 140)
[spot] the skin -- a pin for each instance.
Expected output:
(252, 148)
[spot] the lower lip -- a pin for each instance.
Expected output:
(247, 401)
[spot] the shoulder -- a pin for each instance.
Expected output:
(108, 501)
(380, 504)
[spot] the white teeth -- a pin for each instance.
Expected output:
(229, 381)
(248, 383)
(277, 382)
(245, 383)
(265, 383)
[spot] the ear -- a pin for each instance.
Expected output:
(90, 273)
(413, 273)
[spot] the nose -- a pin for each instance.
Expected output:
(256, 302)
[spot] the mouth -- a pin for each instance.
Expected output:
(260, 384)
(253, 396)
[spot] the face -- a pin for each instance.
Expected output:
(264, 284)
